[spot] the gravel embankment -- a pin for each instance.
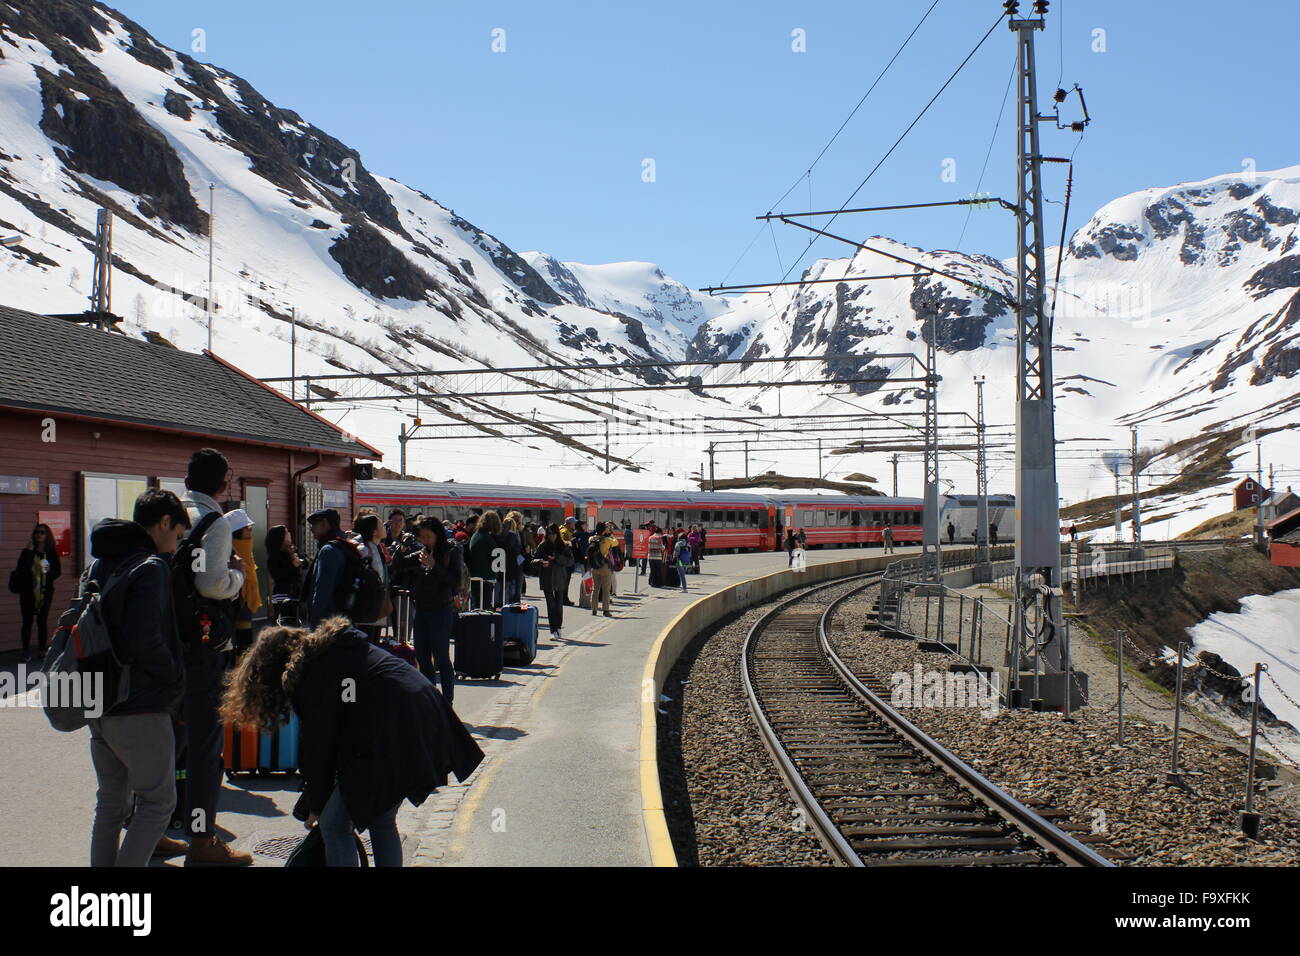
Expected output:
(1079, 767)
(726, 804)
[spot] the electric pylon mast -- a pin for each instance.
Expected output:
(1038, 555)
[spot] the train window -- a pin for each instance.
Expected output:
(856, 518)
(731, 519)
(704, 518)
(753, 519)
(844, 519)
(679, 517)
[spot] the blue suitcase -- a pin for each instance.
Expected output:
(277, 751)
(519, 625)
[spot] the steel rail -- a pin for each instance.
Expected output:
(1057, 843)
(1047, 835)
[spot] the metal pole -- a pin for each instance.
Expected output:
(1069, 674)
(293, 353)
(961, 617)
(1119, 681)
(820, 473)
(401, 438)
(746, 459)
(1249, 818)
(712, 484)
(212, 189)
(1119, 510)
(930, 557)
(1137, 514)
(1178, 709)
(1037, 502)
(895, 474)
(607, 444)
(984, 570)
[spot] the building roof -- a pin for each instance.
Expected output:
(1282, 525)
(53, 365)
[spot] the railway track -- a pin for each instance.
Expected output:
(876, 789)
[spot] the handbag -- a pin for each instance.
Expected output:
(311, 851)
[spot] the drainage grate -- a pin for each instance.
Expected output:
(281, 846)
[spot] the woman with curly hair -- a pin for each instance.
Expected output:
(375, 732)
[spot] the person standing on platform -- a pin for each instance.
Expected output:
(214, 577)
(285, 567)
(133, 745)
(368, 529)
(33, 581)
(888, 537)
(481, 545)
(682, 558)
(437, 582)
(993, 535)
(791, 542)
(602, 574)
(552, 562)
(250, 597)
(952, 532)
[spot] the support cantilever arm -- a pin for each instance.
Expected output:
(888, 255)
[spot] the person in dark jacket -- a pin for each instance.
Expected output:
(325, 578)
(552, 563)
(286, 570)
(482, 545)
(388, 737)
(133, 745)
(437, 582)
(33, 582)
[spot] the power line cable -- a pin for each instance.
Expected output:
(910, 126)
(808, 172)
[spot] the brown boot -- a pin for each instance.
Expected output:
(169, 847)
(209, 851)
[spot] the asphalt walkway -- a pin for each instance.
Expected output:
(559, 785)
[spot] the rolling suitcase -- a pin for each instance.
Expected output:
(277, 751)
(519, 627)
(480, 641)
(239, 752)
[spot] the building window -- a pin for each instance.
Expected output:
(106, 496)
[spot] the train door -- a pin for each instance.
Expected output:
(568, 508)
(593, 509)
(772, 530)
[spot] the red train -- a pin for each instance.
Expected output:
(734, 521)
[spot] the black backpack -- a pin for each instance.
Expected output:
(360, 592)
(206, 625)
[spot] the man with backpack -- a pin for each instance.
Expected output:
(207, 578)
(132, 745)
(329, 583)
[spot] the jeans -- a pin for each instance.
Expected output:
(554, 610)
(432, 643)
(340, 843)
(203, 741)
(514, 590)
(134, 754)
(681, 574)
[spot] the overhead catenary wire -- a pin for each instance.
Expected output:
(830, 142)
(910, 126)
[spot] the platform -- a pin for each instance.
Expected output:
(559, 785)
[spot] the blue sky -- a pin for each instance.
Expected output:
(544, 144)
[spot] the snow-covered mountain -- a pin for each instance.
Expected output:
(1177, 309)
